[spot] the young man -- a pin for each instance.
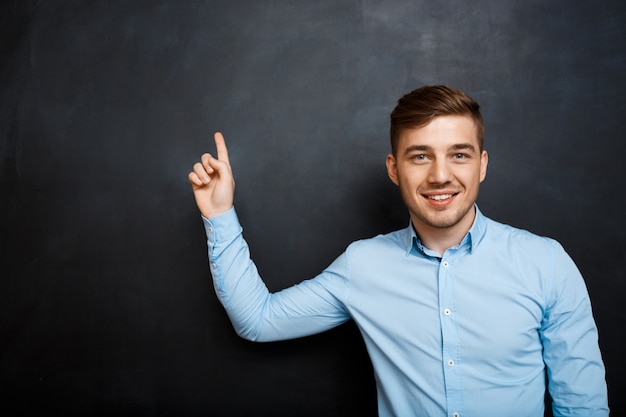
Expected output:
(461, 315)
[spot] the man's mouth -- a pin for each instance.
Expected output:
(440, 197)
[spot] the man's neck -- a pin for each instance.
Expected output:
(441, 239)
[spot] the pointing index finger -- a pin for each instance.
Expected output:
(220, 144)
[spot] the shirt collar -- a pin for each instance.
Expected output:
(472, 239)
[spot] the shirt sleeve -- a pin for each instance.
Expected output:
(576, 374)
(310, 307)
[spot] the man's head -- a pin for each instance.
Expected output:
(421, 106)
(438, 161)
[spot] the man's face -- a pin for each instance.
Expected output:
(439, 168)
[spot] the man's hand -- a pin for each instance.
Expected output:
(212, 181)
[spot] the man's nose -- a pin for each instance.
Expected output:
(439, 172)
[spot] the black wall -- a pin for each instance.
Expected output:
(106, 304)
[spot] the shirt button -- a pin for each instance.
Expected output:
(445, 264)
(456, 415)
(213, 264)
(210, 229)
(450, 362)
(447, 312)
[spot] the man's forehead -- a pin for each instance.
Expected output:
(442, 129)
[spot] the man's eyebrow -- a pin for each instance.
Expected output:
(414, 148)
(463, 146)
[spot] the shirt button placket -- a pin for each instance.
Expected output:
(450, 336)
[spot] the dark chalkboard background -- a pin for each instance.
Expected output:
(106, 306)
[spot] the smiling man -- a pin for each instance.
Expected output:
(461, 315)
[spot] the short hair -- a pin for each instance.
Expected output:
(419, 107)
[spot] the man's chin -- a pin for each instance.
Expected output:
(442, 219)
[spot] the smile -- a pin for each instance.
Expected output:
(440, 197)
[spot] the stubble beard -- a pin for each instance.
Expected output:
(441, 219)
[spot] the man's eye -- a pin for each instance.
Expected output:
(460, 156)
(419, 157)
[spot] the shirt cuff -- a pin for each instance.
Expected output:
(222, 227)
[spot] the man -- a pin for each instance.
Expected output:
(461, 315)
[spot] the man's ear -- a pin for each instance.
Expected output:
(392, 169)
(484, 160)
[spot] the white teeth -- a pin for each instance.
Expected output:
(440, 197)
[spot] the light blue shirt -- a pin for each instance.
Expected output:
(471, 334)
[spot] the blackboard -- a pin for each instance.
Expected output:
(106, 302)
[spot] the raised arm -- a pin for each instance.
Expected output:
(310, 307)
(212, 181)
